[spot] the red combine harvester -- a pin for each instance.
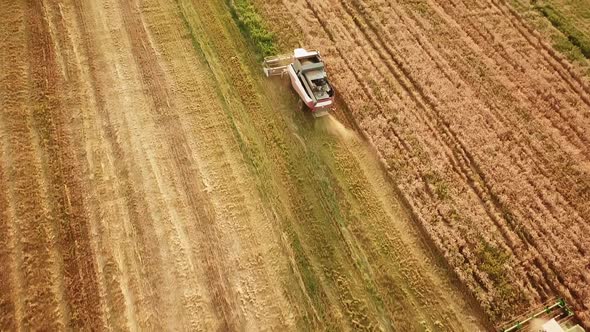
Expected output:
(308, 77)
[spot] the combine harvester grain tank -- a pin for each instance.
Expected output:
(308, 76)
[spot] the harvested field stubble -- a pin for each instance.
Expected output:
(484, 127)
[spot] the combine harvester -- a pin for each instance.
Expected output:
(555, 316)
(308, 77)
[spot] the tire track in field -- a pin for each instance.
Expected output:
(30, 219)
(65, 33)
(62, 178)
(121, 284)
(531, 143)
(9, 302)
(555, 61)
(153, 76)
(13, 75)
(557, 65)
(81, 24)
(168, 227)
(492, 107)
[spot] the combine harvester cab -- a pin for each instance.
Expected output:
(308, 77)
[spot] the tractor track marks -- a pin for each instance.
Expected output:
(12, 278)
(133, 211)
(70, 233)
(202, 211)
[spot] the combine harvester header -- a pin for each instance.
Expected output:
(556, 316)
(308, 77)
